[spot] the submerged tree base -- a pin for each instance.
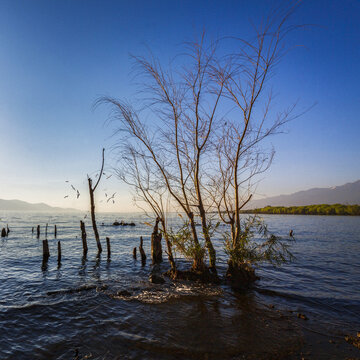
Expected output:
(242, 276)
(204, 276)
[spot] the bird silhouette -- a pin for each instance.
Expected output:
(77, 194)
(73, 187)
(111, 197)
(66, 196)
(108, 177)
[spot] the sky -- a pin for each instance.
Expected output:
(57, 57)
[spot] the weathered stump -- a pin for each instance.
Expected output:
(46, 252)
(156, 249)
(134, 253)
(83, 237)
(108, 247)
(3, 232)
(142, 252)
(38, 231)
(59, 252)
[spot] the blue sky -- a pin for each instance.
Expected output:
(57, 57)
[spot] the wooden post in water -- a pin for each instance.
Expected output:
(38, 231)
(32, 231)
(134, 253)
(142, 252)
(46, 252)
(83, 237)
(3, 232)
(59, 252)
(55, 231)
(108, 247)
(7, 230)
(46, 227)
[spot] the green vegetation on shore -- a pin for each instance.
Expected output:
(322, 209)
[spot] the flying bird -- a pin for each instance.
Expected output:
(66, 196)
(73, 187)
(108, 177)
(111, 197)
(77, 194)
(66, 180)
(85, 216)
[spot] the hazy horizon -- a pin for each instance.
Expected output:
(58, 57)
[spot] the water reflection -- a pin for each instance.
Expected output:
(83, 266)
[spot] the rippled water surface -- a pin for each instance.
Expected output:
(48, 312)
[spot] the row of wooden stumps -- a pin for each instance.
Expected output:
(46, 252)
(5, 232)
(156, 249)
(46, 231)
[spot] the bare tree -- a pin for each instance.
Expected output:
(197, 136)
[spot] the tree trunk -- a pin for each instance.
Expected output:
(83, 237)
(208, 243)
(46, 252)
(59, 252)
(198, 264)
(93, 220)
(108, 247)
(169, 247)
(156, 249)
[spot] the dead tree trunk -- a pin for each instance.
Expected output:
(92, 203)
(108, 247)
(59, 252)
(93, 220)
(142, 252)
(156, 249)
(83, 237)
(46, 252)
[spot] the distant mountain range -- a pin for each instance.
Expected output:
(348, 194)
(19, 205)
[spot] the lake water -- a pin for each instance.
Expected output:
(41, 319)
